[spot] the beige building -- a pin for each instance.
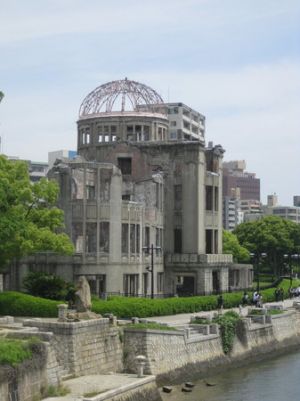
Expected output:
(134, 186)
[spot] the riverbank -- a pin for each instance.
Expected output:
(273, 379)
(177, 356)
(82, 350)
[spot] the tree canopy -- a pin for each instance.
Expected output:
(231, 245)
(272, 235)
(1, 96)
(29, 220)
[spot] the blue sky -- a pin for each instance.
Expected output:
(237, 62)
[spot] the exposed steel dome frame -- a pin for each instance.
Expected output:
(104, 97)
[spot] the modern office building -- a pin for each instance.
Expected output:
(235, 176)
(296, 200)
(36, 170)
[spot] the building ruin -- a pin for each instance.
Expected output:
(143, 177)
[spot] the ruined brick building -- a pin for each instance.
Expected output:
(143, 177)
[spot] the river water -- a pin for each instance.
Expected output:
(275, 379)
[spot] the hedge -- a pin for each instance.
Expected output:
(18, 304)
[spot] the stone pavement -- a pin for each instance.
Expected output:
(184, 318)
(100, 387)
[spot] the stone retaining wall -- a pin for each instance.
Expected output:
(172, 355)
(25, 382)
(85, 347)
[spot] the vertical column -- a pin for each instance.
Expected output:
(84, 214)
(115, 217)
(98, 210)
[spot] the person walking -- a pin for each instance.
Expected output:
(220, 303)
(245, 299)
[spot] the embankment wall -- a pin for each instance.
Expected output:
(175, 355)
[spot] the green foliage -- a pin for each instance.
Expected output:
(272, 235)
(269, 312)
(55, 391)
(200, 320)
(13, 352)
(1, 96)
(29, 220)
(46, 286)
(232, 246)
(228, 323)
(18, 304)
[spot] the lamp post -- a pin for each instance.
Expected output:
(296, 257)
(289, 258)
(150, 268)
(256, 259)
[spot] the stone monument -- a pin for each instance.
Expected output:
(83, 301)
(82, 304)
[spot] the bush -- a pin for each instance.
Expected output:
(46, 286)
(142, 307)
(17, 304)
(228, 323)
(13, 352)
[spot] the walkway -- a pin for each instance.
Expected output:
(185, 318)
(100, 387)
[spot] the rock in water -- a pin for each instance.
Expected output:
(186, 389)
(210, 384)
(189, 384)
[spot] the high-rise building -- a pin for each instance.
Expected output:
(37, 170)
(296, 200)
(235, 176)
(272, 200)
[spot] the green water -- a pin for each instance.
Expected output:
(276, 379)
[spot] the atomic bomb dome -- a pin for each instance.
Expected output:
(119, 96)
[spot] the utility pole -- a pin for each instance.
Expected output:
(150, 268)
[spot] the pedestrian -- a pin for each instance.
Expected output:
(259, 301)
(281, 294)
(245, 299)
(220, 302)
(255, 298)
(277, 295)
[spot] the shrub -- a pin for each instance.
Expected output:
(13, 352)
(18, 304)
(46, 286)
(228, 323)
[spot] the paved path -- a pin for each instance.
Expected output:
(91, 385)
(184, 318)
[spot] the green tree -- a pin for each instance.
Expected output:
(272, 235)
(231, 245)
(1, 96)
(29, 220)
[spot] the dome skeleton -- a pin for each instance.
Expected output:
(103, 98)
